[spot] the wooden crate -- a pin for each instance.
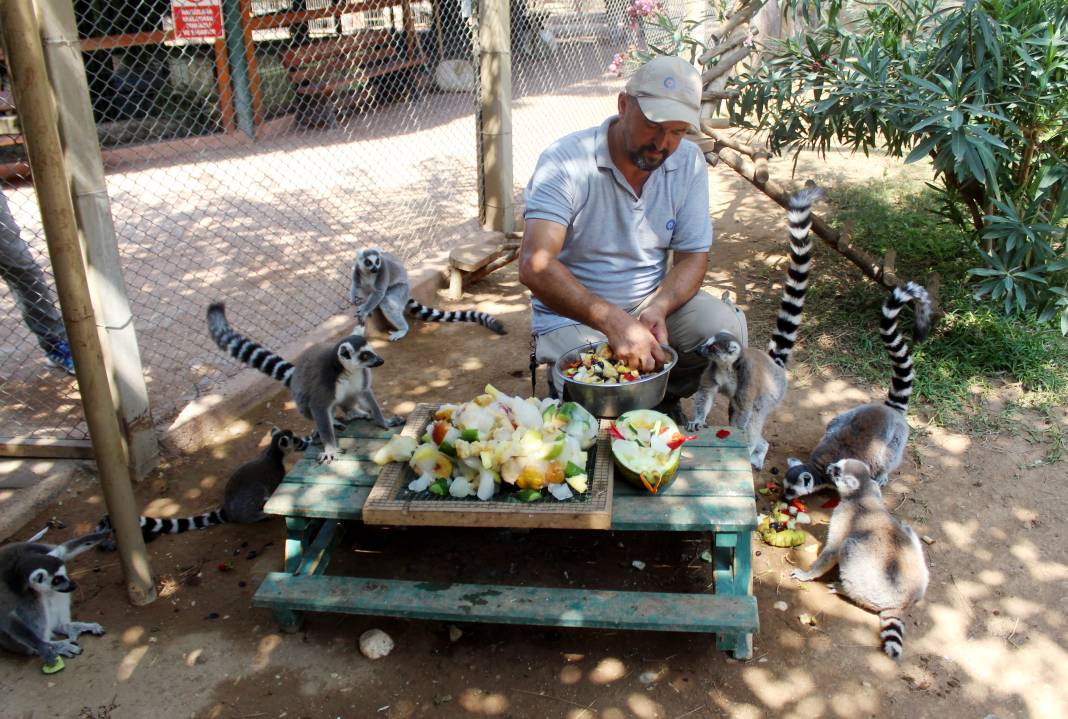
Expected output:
(387, 502)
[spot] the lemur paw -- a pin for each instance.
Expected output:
(694, 426)
(394, 336)
(329, 455)
(394, 421)
(801, 575)
(66, 648)
(339, 424)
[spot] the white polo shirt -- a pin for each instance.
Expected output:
(616, 243)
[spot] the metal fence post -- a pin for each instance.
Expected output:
(77, 130)
(33, 95)
(495, 115)
(240, 72)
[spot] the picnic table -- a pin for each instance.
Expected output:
(713, 495)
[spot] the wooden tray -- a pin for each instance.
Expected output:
(389, 503)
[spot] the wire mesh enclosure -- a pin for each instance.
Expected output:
(251, 167)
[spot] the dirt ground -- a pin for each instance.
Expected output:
(991, 639)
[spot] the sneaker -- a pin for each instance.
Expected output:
(59, 356)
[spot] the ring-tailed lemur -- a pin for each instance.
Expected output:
(35, 598)
(247, 490)
(379, 281)
(756, 381)
(880, 559)
(874, 433)
(325, 377)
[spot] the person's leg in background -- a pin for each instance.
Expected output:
(32, 293)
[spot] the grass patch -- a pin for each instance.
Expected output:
(973, 348)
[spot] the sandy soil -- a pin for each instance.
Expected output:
(991, 639)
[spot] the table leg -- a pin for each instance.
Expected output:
(733, 574)
(298, 536)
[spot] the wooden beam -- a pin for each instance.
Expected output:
(46, 448)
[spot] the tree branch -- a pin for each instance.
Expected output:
(744, 13)
(876, 271)
(726, 64)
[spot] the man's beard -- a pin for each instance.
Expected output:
(638, 158)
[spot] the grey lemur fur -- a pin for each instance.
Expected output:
(379, 281)
(247, 490)
(874, 433)
(880, 559)
(35, 598)
(325, 377)
(756, 381)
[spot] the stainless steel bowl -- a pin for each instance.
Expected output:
(612, 400)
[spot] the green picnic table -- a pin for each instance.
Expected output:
(713, 494)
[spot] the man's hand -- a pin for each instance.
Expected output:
(635, 344)
(655, 319)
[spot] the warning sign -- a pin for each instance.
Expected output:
(197, 19)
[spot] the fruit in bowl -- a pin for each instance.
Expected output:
(647, 448)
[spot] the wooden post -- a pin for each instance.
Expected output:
(495, 116)
(77, 130)
(33, 94)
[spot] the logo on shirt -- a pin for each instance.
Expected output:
(669, 82)
(670, 226)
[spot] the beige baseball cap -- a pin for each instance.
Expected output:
(668, 89)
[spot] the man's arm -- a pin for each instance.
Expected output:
(680, 284)
(552, 283)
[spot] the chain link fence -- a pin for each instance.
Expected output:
(251, 168)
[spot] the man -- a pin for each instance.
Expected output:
(603, 209)
(33, 295)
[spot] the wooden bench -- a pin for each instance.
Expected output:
(713, 494)
(471, 262)
(334, 74)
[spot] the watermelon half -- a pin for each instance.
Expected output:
(639, 452)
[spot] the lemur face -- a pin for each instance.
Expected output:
(354, 353)
(723, 348)
(53, 579)
(801, 479)
(848, 474)
(284, 441)
(371, 261)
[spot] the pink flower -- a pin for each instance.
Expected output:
(615, 67)
(642, 8)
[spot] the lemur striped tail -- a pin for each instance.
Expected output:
(244, 349)
(429, 314)
(901, 382)
(793, 292)
(152, 527)
(892, 632)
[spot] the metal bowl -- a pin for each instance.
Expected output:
(612, 400)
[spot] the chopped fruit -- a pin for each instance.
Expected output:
(578, 483)
(438, 431)
(554, 474)
(531, 478)
(723, 433)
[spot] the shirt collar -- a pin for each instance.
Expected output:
(604, 157)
